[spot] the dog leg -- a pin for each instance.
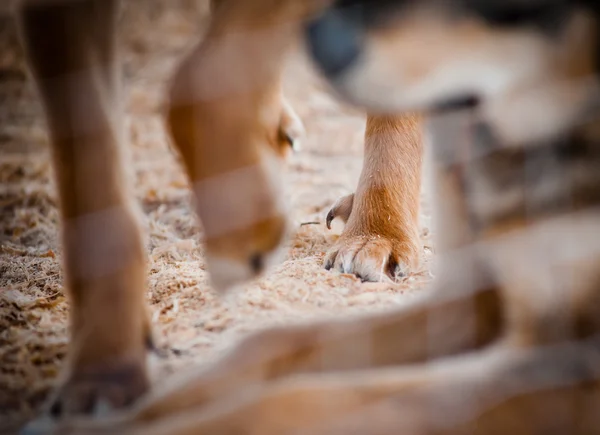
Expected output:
(381, 238)
(501, 391)
(72, 54)
(498, 390)
(231, 125)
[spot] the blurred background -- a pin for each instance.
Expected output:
(192, 325)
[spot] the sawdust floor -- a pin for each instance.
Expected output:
(191, 323)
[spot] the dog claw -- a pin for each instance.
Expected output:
(330, 218)
(291, 128)
(341, 209)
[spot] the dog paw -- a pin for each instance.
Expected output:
(374, 245)
(97, 391)
(371, 258)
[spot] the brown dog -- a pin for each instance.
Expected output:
(510, 340)
(231, 125)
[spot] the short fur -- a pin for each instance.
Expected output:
(231, 125)
(509, 340)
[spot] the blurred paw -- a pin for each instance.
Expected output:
(95, 392)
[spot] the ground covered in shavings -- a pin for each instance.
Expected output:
(192, 324)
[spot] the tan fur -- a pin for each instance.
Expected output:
(232, 127)
(518, 72)
(73, 58)
(102, 269)
(226, 116)
(381, 237)
(488, 352)
(507, 342)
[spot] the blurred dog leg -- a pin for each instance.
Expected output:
(72, 54)
(499, 390)
(232, 127)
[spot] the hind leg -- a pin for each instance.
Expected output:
(72, 56)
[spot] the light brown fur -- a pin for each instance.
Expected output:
(231, 126)
(381, 237)
(102, 269)
(508, 342)
(487, 352)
